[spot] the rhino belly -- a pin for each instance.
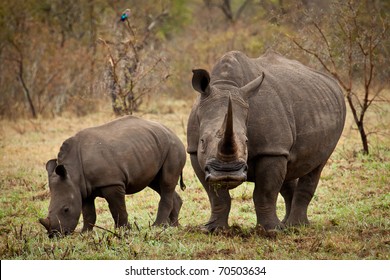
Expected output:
(311, 150)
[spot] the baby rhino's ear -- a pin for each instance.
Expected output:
(51, 165)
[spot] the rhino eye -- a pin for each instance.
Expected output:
(66, 209)
(203, 144)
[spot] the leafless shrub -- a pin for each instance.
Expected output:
(350, 42)
(132, 72)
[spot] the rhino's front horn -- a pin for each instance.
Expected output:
(46, 223)
(227, 146)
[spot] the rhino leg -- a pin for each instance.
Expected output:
(270, 174)
(164, 209)
(302, 196)
(89, 214)
(165, 184)
(287, 192)
(174, 216)
(168, 207)
(220, 208)
(115, 196)
(220, 200)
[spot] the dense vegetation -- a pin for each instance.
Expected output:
(54, 54)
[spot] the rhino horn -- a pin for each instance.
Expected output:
(252, 87)
(46, 223)
(227, 146)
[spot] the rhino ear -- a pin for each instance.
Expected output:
(201, 80)
(51, 166)
(61, 171)
(252, 87)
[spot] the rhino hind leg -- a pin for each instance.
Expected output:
(166, 205)
(303, 194)
(170, 202)
(174, 216)
(287, 193)
(165, 184)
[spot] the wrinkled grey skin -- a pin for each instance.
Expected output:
(271, 121)
(112, 160)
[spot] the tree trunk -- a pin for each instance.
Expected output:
(27, 94)
(359, 122)
(363, 137)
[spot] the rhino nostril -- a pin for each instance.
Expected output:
(207, 173)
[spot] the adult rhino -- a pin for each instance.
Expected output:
(118, 158)
(271, 121)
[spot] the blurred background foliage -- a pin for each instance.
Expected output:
(52, 59)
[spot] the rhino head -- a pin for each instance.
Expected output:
(65, 201)
(222, 115)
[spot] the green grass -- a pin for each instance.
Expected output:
(350, 212)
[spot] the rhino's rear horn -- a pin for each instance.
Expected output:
(227, 145)
(252, 87)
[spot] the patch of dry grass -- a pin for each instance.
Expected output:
(349, 213)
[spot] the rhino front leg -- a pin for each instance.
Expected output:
(220, 200)
(302, 196)
(115, 196)
(270, 174)
(89, 214)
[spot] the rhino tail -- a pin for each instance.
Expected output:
(182, 185)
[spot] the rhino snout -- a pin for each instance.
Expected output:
(226, 174)
(50, 231)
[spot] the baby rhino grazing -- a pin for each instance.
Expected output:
(118, 158)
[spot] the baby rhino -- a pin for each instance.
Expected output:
(118, 158)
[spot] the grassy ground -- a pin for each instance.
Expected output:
(350, 213)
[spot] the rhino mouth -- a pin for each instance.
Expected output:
(225, 174)
(56, 233)
(53, 232)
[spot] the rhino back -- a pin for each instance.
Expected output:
(128, 151)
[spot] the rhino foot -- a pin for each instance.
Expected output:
(214, 226)
(291, 222)
(277, 226)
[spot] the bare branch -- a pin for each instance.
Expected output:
(327, 45)
(320, 60)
